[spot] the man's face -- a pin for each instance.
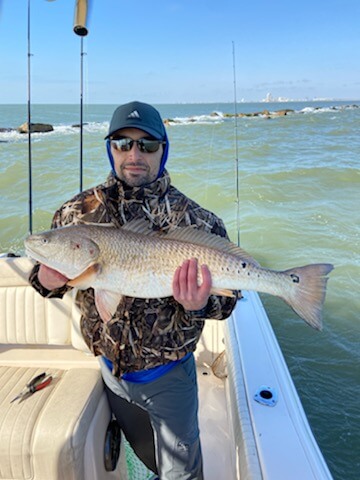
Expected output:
(134, 167)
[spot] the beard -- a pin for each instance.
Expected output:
(136, 174)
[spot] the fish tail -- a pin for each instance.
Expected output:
(308, 295)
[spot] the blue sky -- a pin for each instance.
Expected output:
(170, 51)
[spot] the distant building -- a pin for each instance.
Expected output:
(268, 98)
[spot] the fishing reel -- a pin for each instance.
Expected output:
(112, 445)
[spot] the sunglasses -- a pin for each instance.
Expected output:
(145, 145)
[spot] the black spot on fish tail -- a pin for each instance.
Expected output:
(295, 278)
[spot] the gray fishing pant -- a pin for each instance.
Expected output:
(172, 404)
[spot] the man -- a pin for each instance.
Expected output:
(147, 347)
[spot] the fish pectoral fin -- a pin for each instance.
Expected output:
(223, 292)
(106, 303)
(86, 278)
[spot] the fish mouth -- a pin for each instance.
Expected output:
(68, 271)
(30, 252)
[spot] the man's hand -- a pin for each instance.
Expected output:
(51, 279)
(185, 286)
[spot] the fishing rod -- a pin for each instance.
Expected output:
(29, 118)
(81, 109)
(236, 151)
(81, 12)
(29, 55)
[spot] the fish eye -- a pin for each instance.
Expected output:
(45, 241)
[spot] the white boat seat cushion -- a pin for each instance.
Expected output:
(28, 318)
(43, 437)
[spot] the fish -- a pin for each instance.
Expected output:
(136, 261)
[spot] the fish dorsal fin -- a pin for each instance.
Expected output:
(105, 225)
(210, 240)
(190, 235)
(91, 224)
(139, 225)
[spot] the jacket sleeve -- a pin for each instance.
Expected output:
(34, 281)
(217, 308)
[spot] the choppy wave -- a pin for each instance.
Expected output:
(212, 118)
(12, 135)
(335, 108)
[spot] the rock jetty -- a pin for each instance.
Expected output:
(35, 128)
(263, 113)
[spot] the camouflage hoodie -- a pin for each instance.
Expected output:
(143, 333)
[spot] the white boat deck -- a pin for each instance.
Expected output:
(215, 429)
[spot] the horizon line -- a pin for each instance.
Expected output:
(198, 102)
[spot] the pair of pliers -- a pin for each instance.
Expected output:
(36, 384)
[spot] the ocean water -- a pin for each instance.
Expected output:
(299, 195)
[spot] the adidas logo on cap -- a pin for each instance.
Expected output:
(134, 114)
